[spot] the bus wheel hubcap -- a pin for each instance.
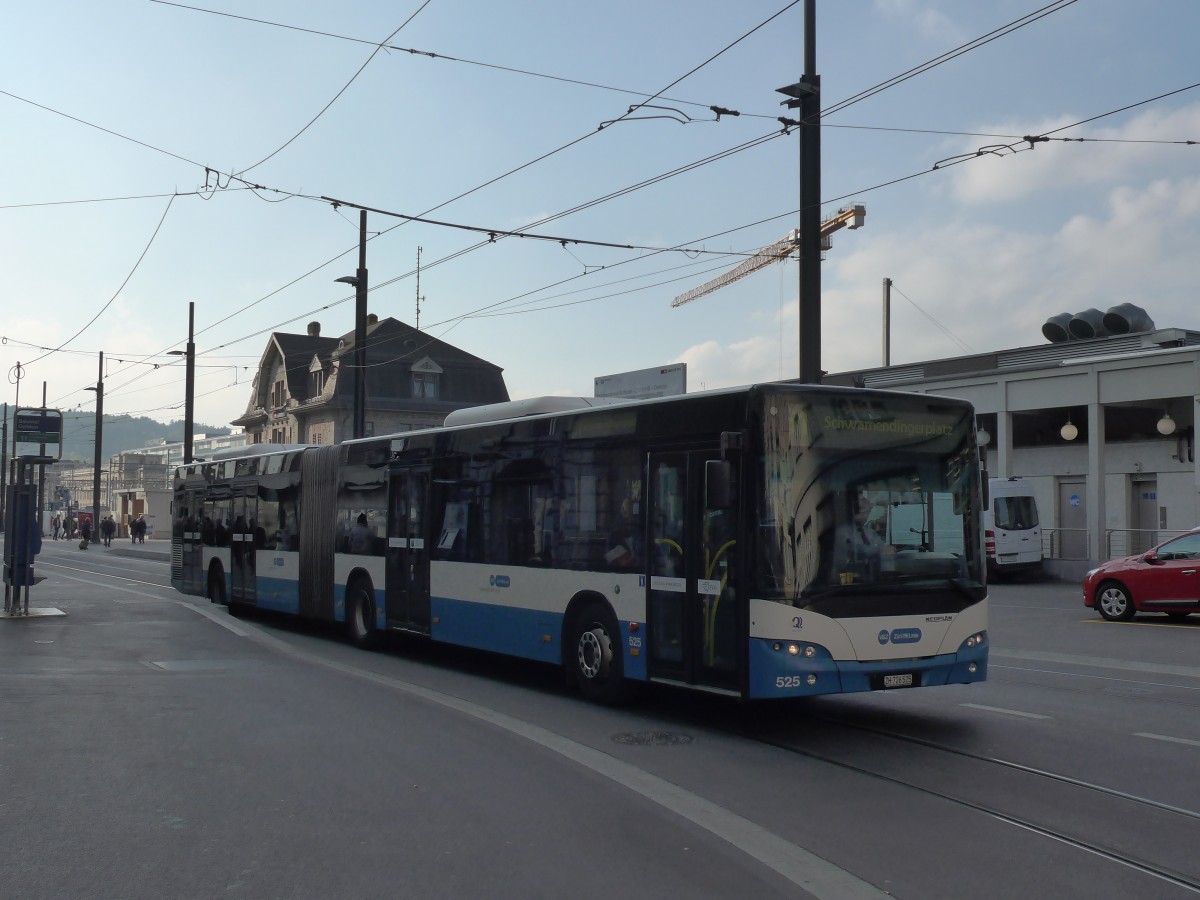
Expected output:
(595, 651)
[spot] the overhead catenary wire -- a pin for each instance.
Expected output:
(949, 55)
(936, 167)
(856, 193)
(892, 182)
(326, 107)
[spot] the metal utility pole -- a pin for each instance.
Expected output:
(41, 509)
(887, 322)
(806, 96)
(810, 204)
(3, 464)
(419, 297)
(96, 459)
(189, 387)
(359, 280)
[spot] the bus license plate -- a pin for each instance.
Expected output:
(894, 681)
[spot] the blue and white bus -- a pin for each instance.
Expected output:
(773, 541)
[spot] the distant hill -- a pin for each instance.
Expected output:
(121, 433)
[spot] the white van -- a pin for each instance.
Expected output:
(1011, 531)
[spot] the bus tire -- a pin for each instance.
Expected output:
(595, 655)
(1114, 603)
(360, 614)
(216, 587)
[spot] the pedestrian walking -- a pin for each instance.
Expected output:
(107, 529)
(55, 526)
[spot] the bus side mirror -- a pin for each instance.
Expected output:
(718, 475)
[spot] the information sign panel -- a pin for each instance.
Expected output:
(35, 427)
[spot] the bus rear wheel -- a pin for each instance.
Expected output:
(216, 588)
(360, 614)
(596, 657)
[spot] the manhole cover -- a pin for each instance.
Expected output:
(652, 738)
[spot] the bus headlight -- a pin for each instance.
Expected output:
(808, 651)
(976, 640)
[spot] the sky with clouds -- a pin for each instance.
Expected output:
(158, 154)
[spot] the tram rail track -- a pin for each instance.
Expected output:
(1126, 807)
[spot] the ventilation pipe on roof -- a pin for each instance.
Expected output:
(1125, 318)
(1087, 324)
(1055, 329)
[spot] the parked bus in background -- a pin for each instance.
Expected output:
(730, 541)
(1012, 533)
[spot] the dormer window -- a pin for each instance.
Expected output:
(425, 385)
(426, 376)
(316, 378)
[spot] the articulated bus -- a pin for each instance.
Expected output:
(773, 541)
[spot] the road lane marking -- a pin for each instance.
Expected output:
(1097, 662)
(1166, 737)
(165, 587)
(1158, 624)
(1007, 712)
(89, 581)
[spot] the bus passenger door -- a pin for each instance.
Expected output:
(693, 615)
(241, 537)
(408, 550)
(187, 527)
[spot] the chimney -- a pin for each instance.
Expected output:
(372, 318)
(314, 329)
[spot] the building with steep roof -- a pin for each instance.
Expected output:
(303, 392)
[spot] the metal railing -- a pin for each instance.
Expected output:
(1065, 543)
(1072, 543)
(1129, 541)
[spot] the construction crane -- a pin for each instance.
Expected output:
(850, 217)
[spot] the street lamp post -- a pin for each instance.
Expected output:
(189, 385)
(359, 280)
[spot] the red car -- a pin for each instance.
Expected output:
(1165, 579)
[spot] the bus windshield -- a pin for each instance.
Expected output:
(867, 504)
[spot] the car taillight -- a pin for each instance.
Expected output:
(989, 543)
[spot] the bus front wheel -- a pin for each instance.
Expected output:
(596, 658)
(360, 614)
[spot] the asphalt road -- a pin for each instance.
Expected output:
(154, 746)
